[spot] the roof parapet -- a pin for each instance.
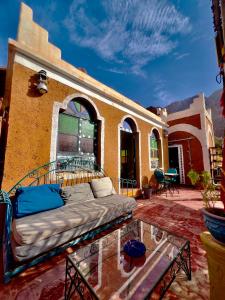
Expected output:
(34, 36)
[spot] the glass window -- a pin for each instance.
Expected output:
(154, 150)
(68, 124)
(77, 134)
(126, 127)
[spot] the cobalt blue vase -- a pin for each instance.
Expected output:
(134, 248)
(214, 219)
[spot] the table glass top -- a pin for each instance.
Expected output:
(114, 275)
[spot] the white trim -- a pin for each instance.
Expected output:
(119, 148)
(197, 107)
(180, 161)
(149, 150)
(199, 135)
(55, 119)
(83, 87)
(210, 132)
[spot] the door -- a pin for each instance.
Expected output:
(176, 161)
(128, 155)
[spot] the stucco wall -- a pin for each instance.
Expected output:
(30, 124)
(191, 120)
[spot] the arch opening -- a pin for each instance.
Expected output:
(78, 131)
(155, 150)
(129, 150)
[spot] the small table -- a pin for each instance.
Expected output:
(172, 177)
(101, 270)
(171, 174)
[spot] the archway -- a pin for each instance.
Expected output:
(129, 150)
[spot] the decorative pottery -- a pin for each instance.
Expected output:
(214, 219)
(134, 248)
(147, 192)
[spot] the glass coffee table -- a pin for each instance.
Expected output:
(102, 270)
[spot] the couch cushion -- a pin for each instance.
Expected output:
(102, 187)
(78, 192)
(123, 203)
(34, 199)
(110, 207)
(28, 251)
(28, 230)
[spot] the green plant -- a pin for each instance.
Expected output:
(210, 196)
(193, 176)
(205, 179)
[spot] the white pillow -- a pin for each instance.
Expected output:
(102, 187)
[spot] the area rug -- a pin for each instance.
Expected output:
(46, 281)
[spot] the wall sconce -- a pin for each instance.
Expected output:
(165, 133)
(42, 86)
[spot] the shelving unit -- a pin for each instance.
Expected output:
(216, 157)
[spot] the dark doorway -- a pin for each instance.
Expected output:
(174, 160)
(129, 149)
(128, 155)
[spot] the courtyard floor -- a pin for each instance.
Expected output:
(177, 213)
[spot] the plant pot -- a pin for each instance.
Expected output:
(147, 192)
(214, 219)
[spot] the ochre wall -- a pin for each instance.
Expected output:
(191, 120)
(196, 162)
(30, 122)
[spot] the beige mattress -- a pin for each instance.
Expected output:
(36, 234)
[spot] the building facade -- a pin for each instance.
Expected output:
(78, 116)
(191, 135)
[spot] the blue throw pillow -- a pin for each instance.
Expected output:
(34, 199)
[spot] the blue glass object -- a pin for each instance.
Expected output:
(134, 248)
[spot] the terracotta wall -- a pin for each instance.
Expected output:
(196, 161)
(192, 120)
(30, 122)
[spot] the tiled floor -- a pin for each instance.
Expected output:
(178, 213)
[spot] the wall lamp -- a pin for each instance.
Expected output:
(42, 85)
(165, 133)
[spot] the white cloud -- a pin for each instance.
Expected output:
(128, 32)
(181, 56)
(160, 92)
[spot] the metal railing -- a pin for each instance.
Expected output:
(127, 185)
(69, 171)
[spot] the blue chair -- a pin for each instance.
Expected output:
(162, 180)
(173, 179)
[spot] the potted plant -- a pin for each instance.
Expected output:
(147, 189)
(214, 217)
(205, 179)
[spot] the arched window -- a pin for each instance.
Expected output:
(129, 167)
(126, 126)
(155, 150)
(77, 131)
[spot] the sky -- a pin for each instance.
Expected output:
(152, 51)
